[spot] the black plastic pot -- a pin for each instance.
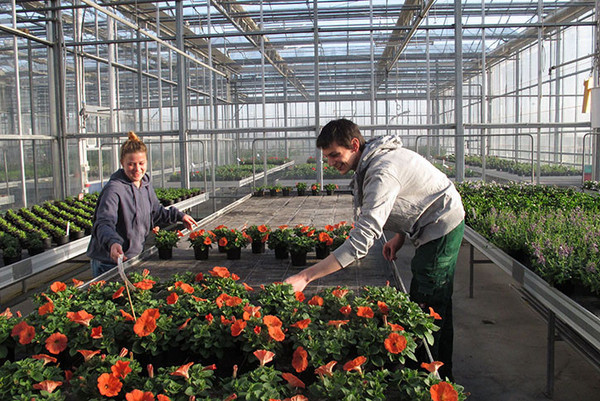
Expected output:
(165, 253)
(234, 253)
(258, 247)
(281, 253)
(298, 258)
(201, 252)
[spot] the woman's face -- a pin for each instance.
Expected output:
(134, 165)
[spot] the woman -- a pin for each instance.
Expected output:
(126, 211)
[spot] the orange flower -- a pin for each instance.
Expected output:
(24, 331)
(237, 327)
(231, 397)
(325, 238)
(81, 317)
(7, 313)
(337, 323)
(77, 283)
(96, 332)
(443, 391)
(118, 293)
(329, 227)
(316, 301)
(346, 310)
(145, 272)
(257, 330)
(433, 366)
(300, 359)
(220, 226)
(274, 326)
(247, 287)
(199, 277)
(121, 369)
(48, 307)
(250, 312)
(58, 286)
(325, 370)
(396, 327)
(297, 397)
(262, 228)
(126, 315)
(383, 308)
(355, 364)
(227, 300)
(235, 277)
(188, 289)
(434, 314)
(183, 370)
(293, 380)
(207, 241)
(222, 241)
(109, 385)
(47, 385)
(44, 357)
(283, 227)
(56, 343)
(184, 325)
(301, 324)
(145, 284)
(365, 311)
(172, 298)
(339, 293)
(209, 318)
(395, 343)
(87, 354)
(139, 395)
(264, 356)
(219, 271)
(146, 324)
(225, 321)
(162, 397)
(299, 296)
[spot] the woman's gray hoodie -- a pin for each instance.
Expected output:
(397, 189)
(125, 215)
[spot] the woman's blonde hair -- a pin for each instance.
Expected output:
(132, 145)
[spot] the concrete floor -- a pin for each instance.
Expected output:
(500, 341)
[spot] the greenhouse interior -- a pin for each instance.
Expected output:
(161, 182)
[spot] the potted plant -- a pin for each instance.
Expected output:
(315, 188)
(286, 191)
(259, 236)
(201, 241)
(220, 232)
(259, 191)
(165, 241)
(299, 246)
(11, 249)
(330, 188)
(323, 244)
(274, 189)
(278, 241)
(35, 245)
(301, 188)
(233, 241)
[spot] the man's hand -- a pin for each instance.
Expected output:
(298, 281)
(115, 251)
(392, 246)
(189, 222)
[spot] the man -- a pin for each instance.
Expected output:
(396, 189)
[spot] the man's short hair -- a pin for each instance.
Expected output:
(340, 131)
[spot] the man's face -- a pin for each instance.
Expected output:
(342, 158)
(134, 165)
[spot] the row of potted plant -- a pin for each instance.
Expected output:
(308, 170)
(301, 188)
(295, 242)
(228, 172)
(210, 337)
(518, 168)
(169, 196)
(554, 231)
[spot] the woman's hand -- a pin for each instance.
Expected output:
(188, 221)
(392, 246)
(116, 250)
(298, 281)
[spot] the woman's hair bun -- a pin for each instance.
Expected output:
(132, 136)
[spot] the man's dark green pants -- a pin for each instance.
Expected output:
(433, 278)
